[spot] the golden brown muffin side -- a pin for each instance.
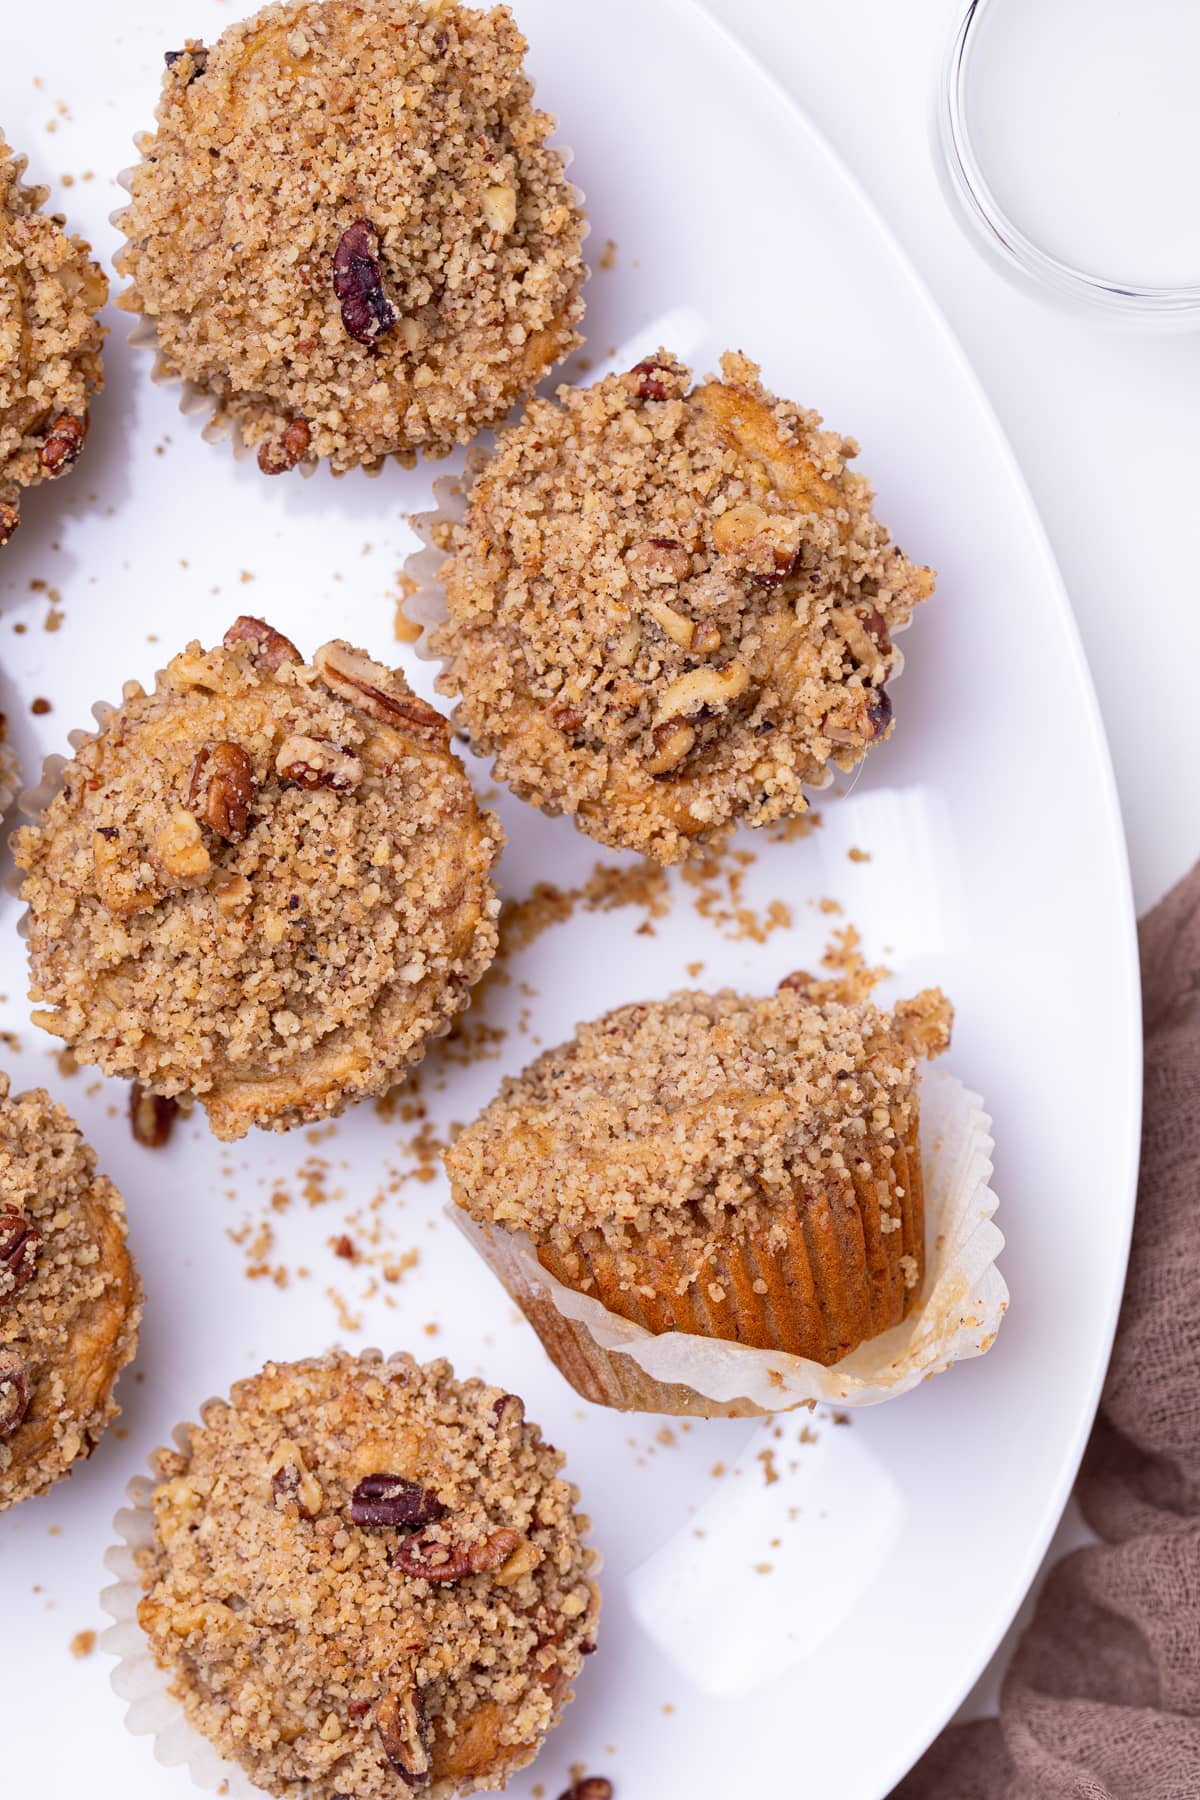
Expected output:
(70, 1298)
(267, 883)
(671, 607)
(50, 339)
(348, 228)
(419, 1530)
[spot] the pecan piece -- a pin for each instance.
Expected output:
(672, 741)
(265, 646)
(222, 787)
(376, 690)
(799, 981)
(566, 717)
(658, 378)
(63, 443)
(10, 518)
(426, 1559)
(703, 689)
(20, 1241)
(277, 455)
(312, 763)
(199, 58)
(151, 1117)
(14, 1392)
(392, 1500)
(400, 1722)
(590, 1787)
(870, 722)
(508, 1412)
(358, 283)
(292, 1481)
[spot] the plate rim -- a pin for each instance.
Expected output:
(723, 38)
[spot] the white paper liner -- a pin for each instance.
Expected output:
(138, 1678)
(10, 776)
(963, 1299)
(221, 425)
(32, 802)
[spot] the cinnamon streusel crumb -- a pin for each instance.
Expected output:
(70, 1299)
(50, 338)
(368, 1577)
(670, 607)
(348, 228)
(266, 883)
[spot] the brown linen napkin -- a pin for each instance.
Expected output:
(1102, 1698)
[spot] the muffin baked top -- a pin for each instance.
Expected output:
(692, 1117)
(348, 227)
(50, 338)
(670, 607)
(368, 1578)
(266, 883)
(70, 1299)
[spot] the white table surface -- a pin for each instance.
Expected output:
(1101, 417)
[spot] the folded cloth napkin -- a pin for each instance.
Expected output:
(1102, 1698)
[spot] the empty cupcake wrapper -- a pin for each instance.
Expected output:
(152, 1710)
(963, 1300)
(201, 402)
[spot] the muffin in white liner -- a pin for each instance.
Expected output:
(963, 1299)
(146, 1686)
(427, 372)
(601, 714)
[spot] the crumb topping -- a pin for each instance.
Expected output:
(70, 1299)
(696, 1117)
(266, 883)
(50, 338)
(348, 227)
(368, 1577)
(669, 607)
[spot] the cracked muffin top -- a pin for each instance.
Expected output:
(349, 229)
(692, 1117)
(670, 606)
(368, 1578)
(265, 884)
(70, 1299)
(50, 338)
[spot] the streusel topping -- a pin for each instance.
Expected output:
(70, 1299)
(694, 1116)
(369, 1578)
(266, 883)
(50, 338)
(349, 228)
(670, 607)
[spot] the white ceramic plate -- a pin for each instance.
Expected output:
(905, 1540)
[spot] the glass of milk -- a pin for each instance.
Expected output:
(1071, 135)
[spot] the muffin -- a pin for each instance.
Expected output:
(70, 1299)
(50, 338)
(366, 1578)
(670, 607)
(348, 229)
(741, 1169)
(265, 884)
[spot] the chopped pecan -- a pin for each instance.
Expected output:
(277, 455)
(358, 283)
(14, 1392)
(292, 1481)
(660, 559)
(20, 1241)
(265, 646)
(63, 443)
(879, 715)
(222, 787)
(672, 741)
(151, 1117)
(677, 626)
(508, 1412)
(179, 850)
(10, 518)
(427, 1559)
(567, 717)
(659, 378)
(590, 1787)
(199, 58)
(871, 720)
(393, 1500)
(376, 690)
(312, 763)
(707, 638)
(704, 689)
(400, 1722)
(799, 981)
(499, 207)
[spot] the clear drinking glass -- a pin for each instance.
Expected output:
(1071, 136)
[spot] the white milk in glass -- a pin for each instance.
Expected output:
(1085, 118)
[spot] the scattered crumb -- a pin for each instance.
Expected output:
(770, 1472)
(82, 1644)
(608, 256)
(40, 706)
(857, 855)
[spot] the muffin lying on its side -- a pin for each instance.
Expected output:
(265, 884)
(670, 607)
